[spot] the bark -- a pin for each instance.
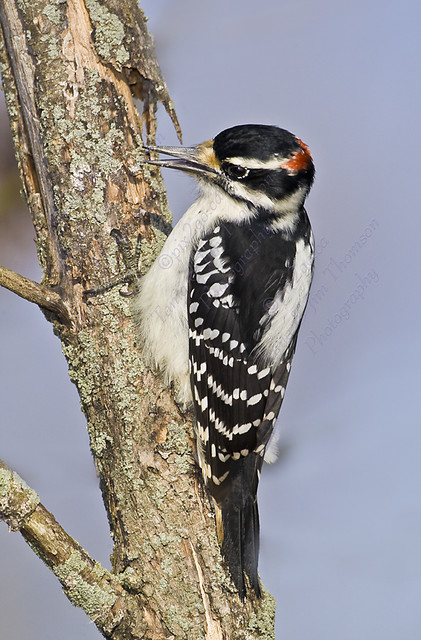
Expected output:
(71, 71)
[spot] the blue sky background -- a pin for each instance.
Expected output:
(341, 509)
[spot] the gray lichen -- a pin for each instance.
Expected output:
(95, 599)
(17, 500)
(109, 33)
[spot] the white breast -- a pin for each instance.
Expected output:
(287, 308)
(160, 305)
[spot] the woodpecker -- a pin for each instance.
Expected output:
(219, 312)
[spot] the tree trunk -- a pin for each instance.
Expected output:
(71, 70)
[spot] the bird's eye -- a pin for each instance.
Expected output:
(234, 171)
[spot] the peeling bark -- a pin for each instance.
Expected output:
(71, 70)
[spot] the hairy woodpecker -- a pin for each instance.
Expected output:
(220, 309)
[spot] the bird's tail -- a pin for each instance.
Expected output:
(237, 520)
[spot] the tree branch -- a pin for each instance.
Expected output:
(85, 582)
(41, 295)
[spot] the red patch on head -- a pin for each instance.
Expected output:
(299, 161)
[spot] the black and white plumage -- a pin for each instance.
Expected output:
(220, 309)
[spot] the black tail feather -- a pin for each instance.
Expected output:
(239, 527)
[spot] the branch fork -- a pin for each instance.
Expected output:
(86, 583)
(34, 292)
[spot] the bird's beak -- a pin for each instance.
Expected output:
(189, 159)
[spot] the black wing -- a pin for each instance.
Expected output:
(236, 395)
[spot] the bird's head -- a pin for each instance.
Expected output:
(262, 165)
